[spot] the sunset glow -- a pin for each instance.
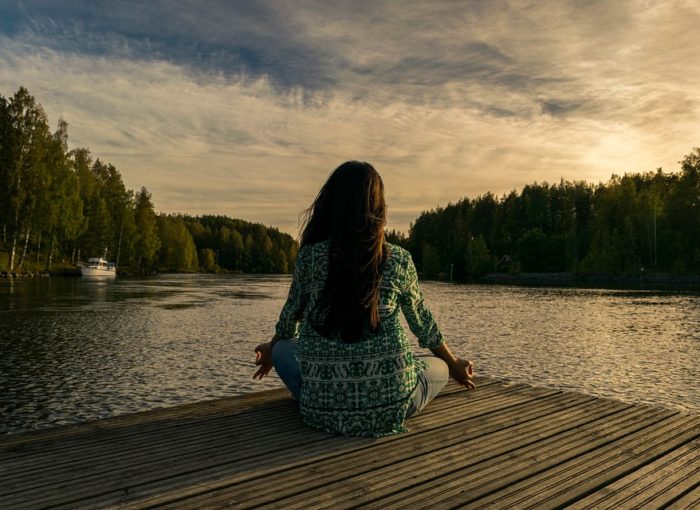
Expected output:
(243, 110)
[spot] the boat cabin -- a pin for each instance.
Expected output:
(100, 263)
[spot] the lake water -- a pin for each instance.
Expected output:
(73, 349)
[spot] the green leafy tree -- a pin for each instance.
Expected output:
(177, 250)
(431, 261)
(25, 140)
(479, 260)
(63, 216)
(531, 247)
(55, 202)
(207, 259)
(147, 241)
(236, 244)
(683, 212)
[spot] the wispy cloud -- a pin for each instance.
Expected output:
(244, 110)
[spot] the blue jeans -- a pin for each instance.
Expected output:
(430, 382)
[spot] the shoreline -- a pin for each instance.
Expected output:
(25, 274)
(648, 281)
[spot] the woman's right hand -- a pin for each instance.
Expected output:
(462, 371)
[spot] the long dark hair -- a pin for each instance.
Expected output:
(350, 211)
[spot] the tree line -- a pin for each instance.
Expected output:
(648, 221)
(61, 205)
(64, 205)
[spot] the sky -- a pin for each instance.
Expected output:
(244, 108)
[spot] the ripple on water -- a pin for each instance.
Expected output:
(74, 352)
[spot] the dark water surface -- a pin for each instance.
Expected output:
(73, 349)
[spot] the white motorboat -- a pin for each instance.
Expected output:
(99, 267)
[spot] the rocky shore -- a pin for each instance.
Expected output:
(29, 274)
(623, 281)
(40, 274)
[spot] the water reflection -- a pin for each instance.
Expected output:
(634, 346)
(76, 349)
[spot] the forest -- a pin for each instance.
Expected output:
(632, 224)
(61, 206)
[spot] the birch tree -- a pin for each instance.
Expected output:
(24, 145)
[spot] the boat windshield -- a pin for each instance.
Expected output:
(98, 263)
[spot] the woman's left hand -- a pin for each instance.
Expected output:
(263, 358)
(462, 371)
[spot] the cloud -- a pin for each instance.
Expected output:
(245, 110)
(205, 36)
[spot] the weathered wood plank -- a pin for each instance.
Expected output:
(237, 428)
(244, 423)
(655, 485)
(569, 480)
(300, 479)
(688, 501)
(464, 481)
(196, 441)
(391, 474)
(299, 459)
(216, 407)
(501, 446)
(421, 420)
(161, 421)
(133, 470)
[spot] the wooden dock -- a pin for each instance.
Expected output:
(500, 446)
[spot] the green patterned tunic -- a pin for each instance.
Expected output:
(363, 388)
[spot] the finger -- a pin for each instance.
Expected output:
(262, 371)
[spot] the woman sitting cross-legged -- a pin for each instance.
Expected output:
(339, 346)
